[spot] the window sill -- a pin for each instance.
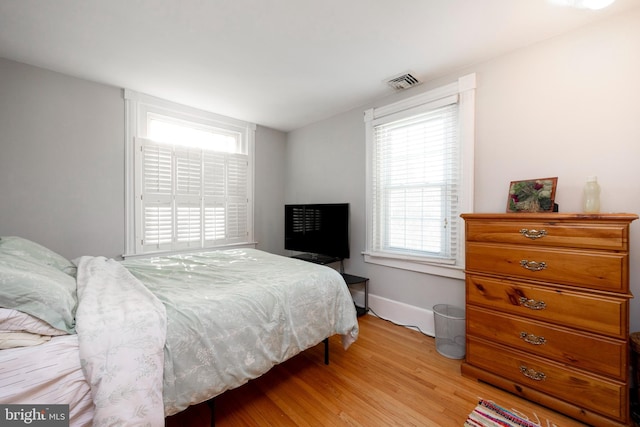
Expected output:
(451, 271)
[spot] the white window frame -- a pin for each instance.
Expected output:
(137, 107)
(464, 89)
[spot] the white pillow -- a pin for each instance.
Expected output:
(24, 248)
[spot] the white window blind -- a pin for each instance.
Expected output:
(415, 184)
(190, 197)
(420, 179)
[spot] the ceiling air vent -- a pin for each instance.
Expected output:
(403, 81)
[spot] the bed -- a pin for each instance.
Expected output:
(142, 339)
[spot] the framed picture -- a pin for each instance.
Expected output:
(532, 195)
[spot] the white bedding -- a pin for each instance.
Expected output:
(121, 329)
(230, 316)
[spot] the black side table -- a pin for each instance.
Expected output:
(355, 280)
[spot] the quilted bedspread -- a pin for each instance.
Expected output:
(230, 316)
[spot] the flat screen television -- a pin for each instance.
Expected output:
(317, 229)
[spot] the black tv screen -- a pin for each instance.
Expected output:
(321, 229)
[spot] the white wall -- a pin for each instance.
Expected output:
(62, 165)
(61, 161)
(269, 190)
(568, 107)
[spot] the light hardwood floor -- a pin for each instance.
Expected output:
(391, 376)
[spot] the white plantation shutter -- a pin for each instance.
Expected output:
(188, 171)
(158, 224)
(190, 197)
(215, 191)
(237, 195)
(188, 228)
(157, 186)
(189, 178)
(225, 189)
(214, 222)
(416, 182)
(214, 181)
(157, 170)
(237, 175)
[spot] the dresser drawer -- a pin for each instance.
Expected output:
(594, 270)
(585, 351)
(591, 392)
(548, 233)
(570, 309)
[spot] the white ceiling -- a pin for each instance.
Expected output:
(278, 63)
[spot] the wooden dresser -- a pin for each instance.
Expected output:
(547, 310)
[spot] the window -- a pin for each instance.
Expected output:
(420, 179)
(189, 178)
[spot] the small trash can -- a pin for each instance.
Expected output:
(449, 324)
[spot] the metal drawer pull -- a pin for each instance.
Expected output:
(533, 234)
(533, 265)
(532, 373)
(532, 339)
(532, 304)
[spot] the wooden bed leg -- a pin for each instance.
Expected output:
(326, 351)
(211, 403)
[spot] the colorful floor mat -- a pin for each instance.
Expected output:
(488, 414)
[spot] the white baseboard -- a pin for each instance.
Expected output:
(397, 312)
